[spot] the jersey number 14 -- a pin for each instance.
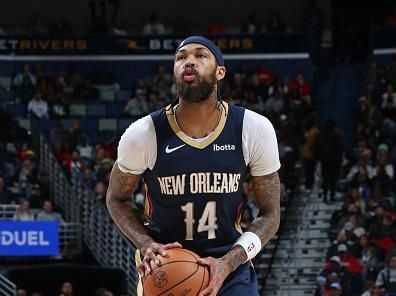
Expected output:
(207, 222)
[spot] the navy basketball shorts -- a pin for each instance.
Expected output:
(241, 282)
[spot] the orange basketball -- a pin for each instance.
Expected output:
(179, 274)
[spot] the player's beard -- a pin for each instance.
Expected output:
(198, 92)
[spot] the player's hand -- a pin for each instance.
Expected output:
(219, 269)
(152, 257)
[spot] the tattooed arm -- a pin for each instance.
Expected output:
(267, 194)
(130, 221)
(123, 210)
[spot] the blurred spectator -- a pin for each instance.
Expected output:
(275, 24)
(38, 106)
(330, 155)
(300, 88)
(153, 26)
(155, 103)
(100, 192)
(215, 27)
(60, 27)
(36, 199)
(21, 292)
(88, 179)
(59, 107)
(391, 19)
(388, 105)
(26, 177)
(87, 152)
(309, 152)
(17, 133)
(274, 104)
(5, 195)
(88, 92)
(180, 27)
(108, 147)
(47, 214)
(25, 73)
(25, 91)
(67, 289)
(265, 75)
(23, 212)
(75, 168)
(386, 278)
(137, 105)
(355, 268)
(103, 170)
(250, 26)
(103, 292)
(39, 28)
(162, 75)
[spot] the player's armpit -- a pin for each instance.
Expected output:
(119, 201)
(267, 195)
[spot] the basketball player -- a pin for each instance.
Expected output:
(194, 155)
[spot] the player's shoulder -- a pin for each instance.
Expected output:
(254, 119)
(139, 130)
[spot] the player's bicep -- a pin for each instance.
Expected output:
(267, 193)
(121, 185)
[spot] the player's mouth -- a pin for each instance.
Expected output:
(189, 75)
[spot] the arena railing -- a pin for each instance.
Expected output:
(7, 288)
(105, 241)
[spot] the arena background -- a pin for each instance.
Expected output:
(75, 74)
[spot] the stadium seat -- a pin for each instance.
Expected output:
(107, 124)
(106, 92)
(24, 122)
(123, 95)
(124, 123)
(89, 124)
(5, 81)
(78, 110)
(114, 109)
(98, 110)
(16, 110)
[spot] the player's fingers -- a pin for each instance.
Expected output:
(140, 270)
(204, 261)
(208, 291)
(150, 255)
(162, 250)
(147, 268)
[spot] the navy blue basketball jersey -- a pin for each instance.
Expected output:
(194, 190)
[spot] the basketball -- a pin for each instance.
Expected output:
(179, 274)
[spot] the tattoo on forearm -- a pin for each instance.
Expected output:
(235, 257)
(267, 194)
(122, 209)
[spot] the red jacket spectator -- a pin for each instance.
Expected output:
(299, 84)
(264, 75)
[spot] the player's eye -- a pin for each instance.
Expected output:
(201, 55)
(180, 57)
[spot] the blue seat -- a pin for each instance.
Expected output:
(16, 110)
(46, 125)
(89, 124)
(123, 95)
(114, 109)
(124, 123)
(98, 110)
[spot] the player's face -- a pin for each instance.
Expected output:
(196, 72)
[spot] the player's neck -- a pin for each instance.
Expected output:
(198, 120)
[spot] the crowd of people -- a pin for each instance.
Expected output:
(67, 289)
(362, 257)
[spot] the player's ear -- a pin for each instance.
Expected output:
(220, 72)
